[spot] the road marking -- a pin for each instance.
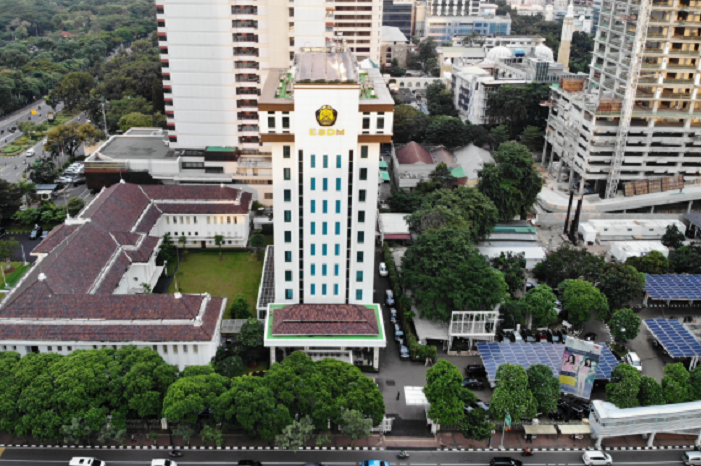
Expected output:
(2, 450)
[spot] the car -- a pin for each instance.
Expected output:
(29, 153)
(528, 336)
(591, 336)
(692, 458)
(79, 180)
(558, 415)
(13, 129)
(480, 404)
(633, 359)
(249, 463)
(45, 141)
(474, 371)
(398, 333)
(472, 384)
(504, 461)
(597, 458)
(35, 234)
(85, 461)
(530, 285)
(374, 463)
(44, 235)
(383, 269)
(403, 352)
(389, 297)
(558, 306)
(542, 337)
(163, 462)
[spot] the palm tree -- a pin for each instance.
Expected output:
(219, 240)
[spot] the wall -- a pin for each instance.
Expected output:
(198, 228)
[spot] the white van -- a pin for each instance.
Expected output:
(692, 458)
(30, 153)
(86, 461)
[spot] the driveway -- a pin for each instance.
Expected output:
(26, 245)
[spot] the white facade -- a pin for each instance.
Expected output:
(471, 90)
(200, 230)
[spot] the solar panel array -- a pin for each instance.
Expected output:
(494, 354)
(673, 286)
(676, 339)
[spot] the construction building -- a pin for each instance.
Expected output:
(661, 148)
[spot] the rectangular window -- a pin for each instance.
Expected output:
(380, 123)
(208, 220)
(359, 294)
(361, 236)
(288, 294)
(338, 228)
(324, 250)
(363, 174)
(323, 270)
(313, 228)
(361, 216)
(325, 184)
(288, 275)
(175, 349)
(325, 207)
(359, 276)
(288, 256)
(338, 184)
(313, 183)
(359, 256)
(326, 161)
(313, 289)
(323, 289)
(336, 269)
(271, 122)
(286, 152)
(338, 161)
(313, 250)
(288, 195)
(286, 174)
(337, 250)
(338, 207)
(313, 206)
(288, 216)
(286, 122)
(366, 123)
(324, 228)
(335, 290)
(361, 195)
(313, 161)
(288, 237)
(313, 270)
(363, 152)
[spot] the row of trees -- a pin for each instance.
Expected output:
(629, 388)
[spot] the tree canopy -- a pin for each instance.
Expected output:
(623, 389)
(512, 395)
(568, 262)
(625, 324)
(409, 124)
(582, 301)
(544, 386)
(445, 393)
(518, 107)
(621, 284)
(653, 262)
(540, 304)
(447, 131)
(440, 101)
(673, 238)
(513, 266)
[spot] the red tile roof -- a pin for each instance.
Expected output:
(55, 237)
(325, 319)
(149, 219)
(190, 192)
(414, 153)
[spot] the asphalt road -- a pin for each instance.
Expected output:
(6, 123)
(61, 456)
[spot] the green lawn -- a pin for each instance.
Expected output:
(239, 272)
(14, 276)
(268, 240)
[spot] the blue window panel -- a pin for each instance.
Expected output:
(325, 184)
(324, 250)
(358, 294)
(313, 249)
(338, 228)
(313, 161)
(288, 216)
(338, 184)
(313, 228)
(326, 161)
(288, 195)
(323, 270)
(337, 250)
(359, 276)
(312, 270)
(288, 256)
(335, 290)
(324, 228)
(325, 207)
(288, 294)
(361, 236)
(338, 161)
(288, 237)
(313, 184)
(338, 207)
(323, 290)
(288, 275)
(336, 270)
(313, 289)
(313, 207)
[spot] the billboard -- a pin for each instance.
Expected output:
(580, 361)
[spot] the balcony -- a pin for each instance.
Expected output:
(248, 128)
(249, 65)
(247, 104)
(247, 78)
(247, 116)
(245, 38)
(245, 52)
(240, 24)
(247, 91)
(244, 10)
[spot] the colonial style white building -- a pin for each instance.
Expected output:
(89, 287)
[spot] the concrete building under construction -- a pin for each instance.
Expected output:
(662, 150)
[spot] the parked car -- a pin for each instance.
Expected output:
(504, 461)
(36, 233)
(542, 337)
(597, 458)
(472, 384)
(591, 336)
(398, 333)
(86, 461)
(633, 359)
(558, 415)
(78, 180)
(692, 458)
(528, 336)
(480, 404)
(390, 297)
(474, 371)
(383, 270)
(403, 352)
(374, 463)
(530, 285)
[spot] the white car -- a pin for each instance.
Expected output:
(29, 153)
(86, 461)
(633, 359)
(383, 270)
(163, 462)
(597, 458)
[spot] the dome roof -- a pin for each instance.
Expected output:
(544, 53)
(499, 53)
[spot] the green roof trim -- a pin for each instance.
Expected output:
(383, 164)
(384, 176)
(458, 172)
(311, 338)
(524, 229)
(220, 149)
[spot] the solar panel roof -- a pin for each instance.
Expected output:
(676, 339)
(494, 354)
(673, 286)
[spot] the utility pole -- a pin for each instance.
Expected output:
(104, 119)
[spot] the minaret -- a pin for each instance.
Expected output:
(563, 55)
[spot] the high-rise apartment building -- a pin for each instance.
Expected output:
(325, 119)
(216, 56)
(663, 139)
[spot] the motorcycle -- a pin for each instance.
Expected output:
(527, 452)
(175, 453)
(403, 455)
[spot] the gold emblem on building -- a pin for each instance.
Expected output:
(326, 116)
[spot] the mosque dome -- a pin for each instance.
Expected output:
(499, 53)
(543, 52)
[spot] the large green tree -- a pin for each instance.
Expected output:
(10, 199)
(625, 324)
(460, 208)
(409, 124)
(446, 273)
(652, 263)
(518, 107)
(512, 395)
(624, 387)
(445, 393)
(581, 50)
(582, 301)
(621, 284)
(686, 259)
(650, 393)
(569, 262)
(544, 386)
(512, 183)
(189, 396)
(446, 131)
(673, 238)
(675, 383)
(72, 135)
(539, 302)
(135, 120)
(440, 101)
(74, 90)
(513, 266)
